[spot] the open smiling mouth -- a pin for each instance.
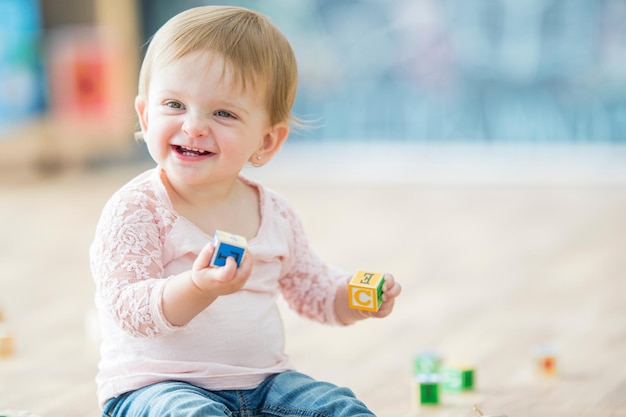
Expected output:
(185, 151)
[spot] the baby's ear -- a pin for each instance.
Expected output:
(141, 107)
(271, 143)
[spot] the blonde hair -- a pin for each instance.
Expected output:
(251, 46)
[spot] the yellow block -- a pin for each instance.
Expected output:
(6, 345)
(365, 290)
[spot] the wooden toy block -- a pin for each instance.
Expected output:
(365, 290)
(545, 358)
(426, 362)
(427, 387)
(6, 345)
(228, 245)
(6, 339)
(458, 377)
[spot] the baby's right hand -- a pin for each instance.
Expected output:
(214, 281)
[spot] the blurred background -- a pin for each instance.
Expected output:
(408, 71)
(491, 132)
(488, 81)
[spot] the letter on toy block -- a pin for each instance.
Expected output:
(228, 244)
(366, 290)
(458, 377)
(427, 362)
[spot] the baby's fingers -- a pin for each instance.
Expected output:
(204, 257)
(237, 275)
(391, 288)
(227, 272)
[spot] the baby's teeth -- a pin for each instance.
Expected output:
(191, 149)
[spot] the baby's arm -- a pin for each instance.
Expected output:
(347, 315)
(127, 264)
(313, 288)
(187, 294)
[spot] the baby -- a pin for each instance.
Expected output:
(179, 337)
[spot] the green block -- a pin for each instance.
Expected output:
(458, 378)
(428, 389)
(426, 362)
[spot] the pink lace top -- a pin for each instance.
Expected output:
(235, 343)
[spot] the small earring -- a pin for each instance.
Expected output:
(258, 157)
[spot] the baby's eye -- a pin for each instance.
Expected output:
(224, 113)
(174, 105)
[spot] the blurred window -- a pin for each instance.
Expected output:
(432, 70)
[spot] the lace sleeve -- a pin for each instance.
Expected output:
(127, 266)
(308, 284)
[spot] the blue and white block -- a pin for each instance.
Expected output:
(228, 245)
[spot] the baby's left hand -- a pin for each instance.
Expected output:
(391, 290)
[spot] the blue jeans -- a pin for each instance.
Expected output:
(289, 394)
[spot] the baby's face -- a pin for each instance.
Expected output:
(199, 124)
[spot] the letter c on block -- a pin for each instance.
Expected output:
(363, 298)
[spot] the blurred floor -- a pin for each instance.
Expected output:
(490, 267)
